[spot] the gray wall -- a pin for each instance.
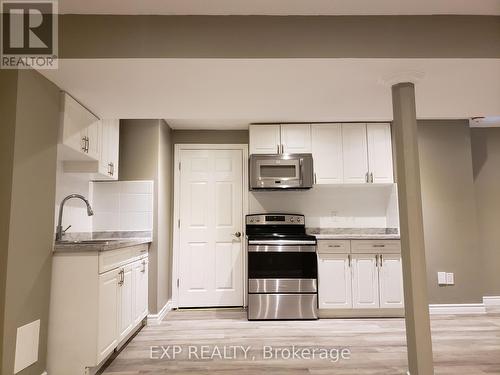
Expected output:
(449, 211)
(32, 159)
(210, 136)
(146, 154)
(105, 36)
(486, 162)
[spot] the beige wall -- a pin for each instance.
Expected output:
(146, 154)
(32, 199)
(8, 95)
(105, 36)
(448, 202)
(486, 162)
(210, 136)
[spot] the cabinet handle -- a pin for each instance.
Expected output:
(366, 178)
(84, 144)
(376, 260)
(371, 177)
(333, 245)
(122, 277)
(349, 259)
(381, 261)
(282, 149)
(378, 245)
(277, 149)
(315, 180)
(87, 144)
(143, 266)
(112, 169)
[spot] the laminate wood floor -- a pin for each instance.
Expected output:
(463, 345)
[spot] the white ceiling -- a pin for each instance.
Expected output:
(231, 93)
(280, 7)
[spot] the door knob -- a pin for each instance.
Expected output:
(237, 234)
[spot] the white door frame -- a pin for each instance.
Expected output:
(177, 207)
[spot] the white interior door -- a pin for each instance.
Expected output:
(211, 210)
(365, 288)
(391, 281)
(334, 274)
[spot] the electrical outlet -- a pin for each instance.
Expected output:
(442, 280)
(450, 278)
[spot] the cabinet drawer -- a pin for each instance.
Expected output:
(334, 246)
(376, 246)
(112, 259)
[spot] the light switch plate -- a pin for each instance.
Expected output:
(27, 345)
(442, 278)
(450, 278)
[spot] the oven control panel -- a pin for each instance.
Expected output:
(275, 219)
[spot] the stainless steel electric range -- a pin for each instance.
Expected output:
(282, 268)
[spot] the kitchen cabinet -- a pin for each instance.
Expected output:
(98, 299)
(391, 281)
(334, 281)
(265, 139)
(360, 276)
(380, 153)
(279, 139)
(79, 134)
(108, 312)
(365, 286)
(105, 167)
(355, 153)
(327, 153)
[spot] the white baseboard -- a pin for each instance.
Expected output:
(462, 308)
(157, 318)
(491, 301)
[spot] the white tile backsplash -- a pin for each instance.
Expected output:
(331, 206)
(122, 205)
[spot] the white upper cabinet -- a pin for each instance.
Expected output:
(280, 139)
(391, 281)
(355, 153)
(327, 153)
(296, 139)
(265, 139)
(380, 153)
(110, 141)
(334, 281)
(79, 133)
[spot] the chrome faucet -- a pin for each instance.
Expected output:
(60, 232)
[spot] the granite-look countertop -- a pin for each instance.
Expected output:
(101, 241)
(354, 233)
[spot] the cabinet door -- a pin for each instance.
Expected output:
(113, 145)
(108, 314)
(94, 142)
(296, 138)
(334, 278)
(365, 284)
(380, 153)
(355, 152)
(140, 271)
(391, 281)
(264, 139)
(327, 153)
(126, 315)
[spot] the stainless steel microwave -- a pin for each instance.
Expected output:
(281, 171)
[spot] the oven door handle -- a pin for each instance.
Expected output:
(281, 242)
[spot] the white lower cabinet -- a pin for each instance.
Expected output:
(391, 281)
(357, 281)
(365, 286)
(98, 299)
(334, 281)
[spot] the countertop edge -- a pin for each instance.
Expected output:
(355, 237)
(98, 248)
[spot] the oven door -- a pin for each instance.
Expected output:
(299, 263)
